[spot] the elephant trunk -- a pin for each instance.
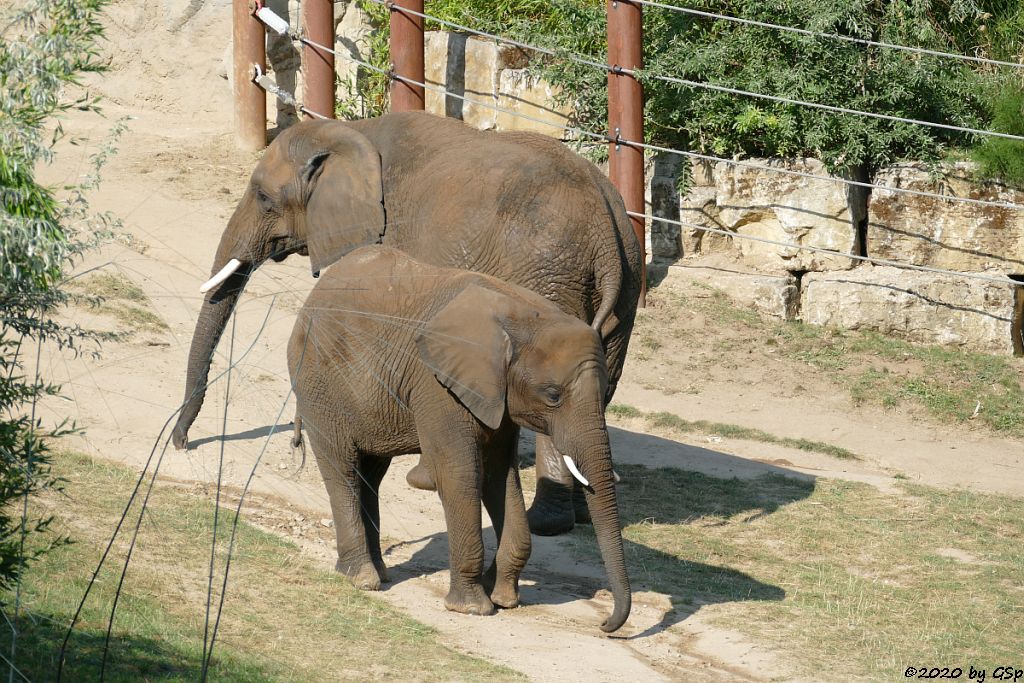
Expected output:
(594, 459)
(213, 318)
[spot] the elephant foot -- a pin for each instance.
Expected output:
(382, 571)
(552, 511)
(419, 477)
(472, 600)
(579, 506)
(506, 595)
(365, 576)
(504, 592)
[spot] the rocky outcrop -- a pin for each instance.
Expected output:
(489, 86)
(772, 206)
(922, 307)
(834, 290)
(928, 231)
(775, 296)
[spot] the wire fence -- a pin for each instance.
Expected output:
(153, 463)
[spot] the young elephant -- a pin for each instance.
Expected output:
(392, 356)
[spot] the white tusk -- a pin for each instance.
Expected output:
(616, 477)
(220, 277)
(575, 472)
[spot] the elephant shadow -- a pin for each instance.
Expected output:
(660, 506)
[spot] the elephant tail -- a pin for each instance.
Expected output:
(609, 286)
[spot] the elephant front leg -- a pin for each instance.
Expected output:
(552, 511)
(455, 464)
(503, 498)
(461, 504)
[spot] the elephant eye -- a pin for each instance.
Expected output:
(264, 200)
(552, 396)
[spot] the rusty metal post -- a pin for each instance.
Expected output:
(249, 49)
(626, 114)
(407, 55)
(318, 65)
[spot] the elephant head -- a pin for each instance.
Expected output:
(318, 192)
(516, 356)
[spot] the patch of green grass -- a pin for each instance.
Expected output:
(674, 423)
(834, 576)
(118, 297)
(953, 385)
(284, 619)
(950, 383)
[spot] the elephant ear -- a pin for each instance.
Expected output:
(345, 197)
(469, 351)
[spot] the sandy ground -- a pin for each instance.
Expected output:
(175, 182)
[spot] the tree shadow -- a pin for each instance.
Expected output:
(131, 658)
(658, 506)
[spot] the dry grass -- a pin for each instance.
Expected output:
(118, 297)
(700, 329)
(676, 425)
(835, 576)
(284, 618)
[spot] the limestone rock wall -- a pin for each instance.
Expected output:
(763, 204)
(490, 87)
(918, 306)
(927, 231)
(825, 289)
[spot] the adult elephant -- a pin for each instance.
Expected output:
(519, 206)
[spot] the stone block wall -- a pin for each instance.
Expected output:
(490, 85)
(922, 307)
(926, 231)
(833, 290)
(764, 204)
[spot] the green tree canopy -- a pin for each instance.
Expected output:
(794, 66)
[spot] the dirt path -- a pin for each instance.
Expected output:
(175, 182)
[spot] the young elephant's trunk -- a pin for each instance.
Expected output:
(593, 457)
(213, 318)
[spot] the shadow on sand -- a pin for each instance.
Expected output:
(568, 568)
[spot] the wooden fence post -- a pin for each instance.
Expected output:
(626, 114)
(317, 64)
(249, 49)
(407, 55)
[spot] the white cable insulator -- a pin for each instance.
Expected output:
(272, 21)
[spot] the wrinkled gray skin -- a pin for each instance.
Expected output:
(518, 206)
(391, 356)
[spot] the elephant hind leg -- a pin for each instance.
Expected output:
(371, 473)
(337, 460)
(552, 511)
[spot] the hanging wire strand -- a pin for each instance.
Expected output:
(207, 644)
(831, 36)
(693, 155)
(641, 74)
(788, 245)
(62, 657)
(668, 150)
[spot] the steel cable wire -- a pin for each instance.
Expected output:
(641, 74)
(788, 245)
(832, 36)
